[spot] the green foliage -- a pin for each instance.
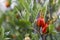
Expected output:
(51, 28)
(18, 20)
(1, 33)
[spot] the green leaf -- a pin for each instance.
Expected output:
(51, 28)
(1, 33)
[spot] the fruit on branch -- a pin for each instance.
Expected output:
(40, 22)
(44, 29)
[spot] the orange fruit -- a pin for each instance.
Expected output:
(7, 4)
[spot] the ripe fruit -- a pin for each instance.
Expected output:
(7, 4)
(40, 22)
(44, 29)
